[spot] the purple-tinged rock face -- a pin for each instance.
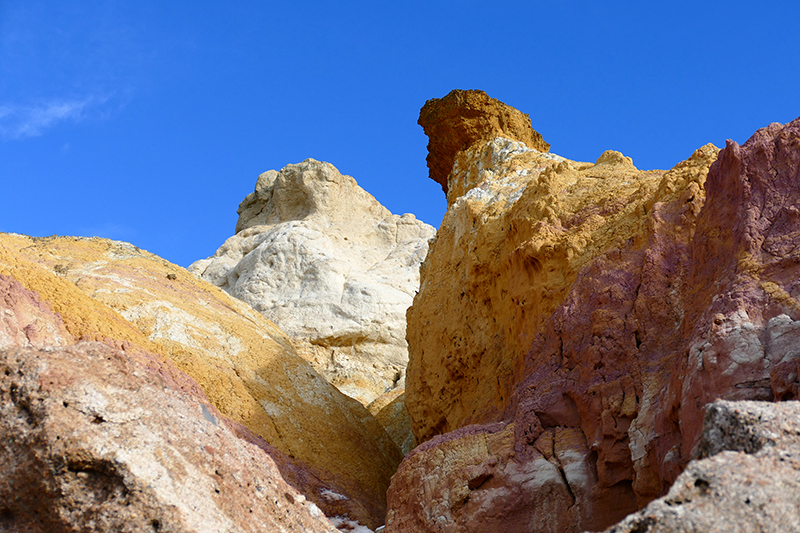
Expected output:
(695, 298)
(92, 439)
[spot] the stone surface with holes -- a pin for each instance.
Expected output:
(95, 439)
(746, 477)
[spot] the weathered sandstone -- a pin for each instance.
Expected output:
(391, 413)
(95, 438)
(320, 257)
(746, 478)
(26, 320)
(66, 289)
(592, 311)
(462, 118)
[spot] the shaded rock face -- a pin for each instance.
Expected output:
(391, 413)
(746, 477)
(320, 257)
(460, 119)
(326, 444)
(592, 310)
(96, 439)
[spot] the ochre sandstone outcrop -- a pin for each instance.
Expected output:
(391, 413)
(462, 118)
(319, 256)
(95, 438)
(746, 478)
(60, 290)
(583, 314)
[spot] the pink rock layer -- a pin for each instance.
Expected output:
(92, 439)
(609, 401)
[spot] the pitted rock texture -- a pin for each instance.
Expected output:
(468, 480)
(91, 439)
(112, 292)
(746, 477)
(320, 257)
(604, 303)
(462, 118)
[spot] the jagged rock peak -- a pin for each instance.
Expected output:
(464, 117)
(594, 310)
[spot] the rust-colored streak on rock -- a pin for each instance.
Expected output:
(462, 118)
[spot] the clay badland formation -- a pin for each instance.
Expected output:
(591, 344)
(209, 349)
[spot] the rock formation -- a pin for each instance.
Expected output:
(391, 413)
(461, 119)
(746, 478)
(574, 318)
(56, 291)
(320, 257)
(95, 438)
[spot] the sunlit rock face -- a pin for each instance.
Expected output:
(95, 438)
(461, 119)
(319, 256)
(57, 291)
(588, 312)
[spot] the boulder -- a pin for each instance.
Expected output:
(319, 256)
(95, 289)
(93, 438)
(595, 308)
(746, 477)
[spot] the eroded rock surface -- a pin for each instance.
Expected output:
(594, 309)
(460, 119)
(320, 257)
(746, 477)
(67, 289)
(93, 438)
(391, 413)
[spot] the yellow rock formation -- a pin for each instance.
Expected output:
(390, 411)
(520, 226)
(114, 292)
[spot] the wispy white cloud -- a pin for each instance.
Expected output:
(22, 121)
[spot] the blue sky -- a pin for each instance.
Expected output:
(150, 121)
